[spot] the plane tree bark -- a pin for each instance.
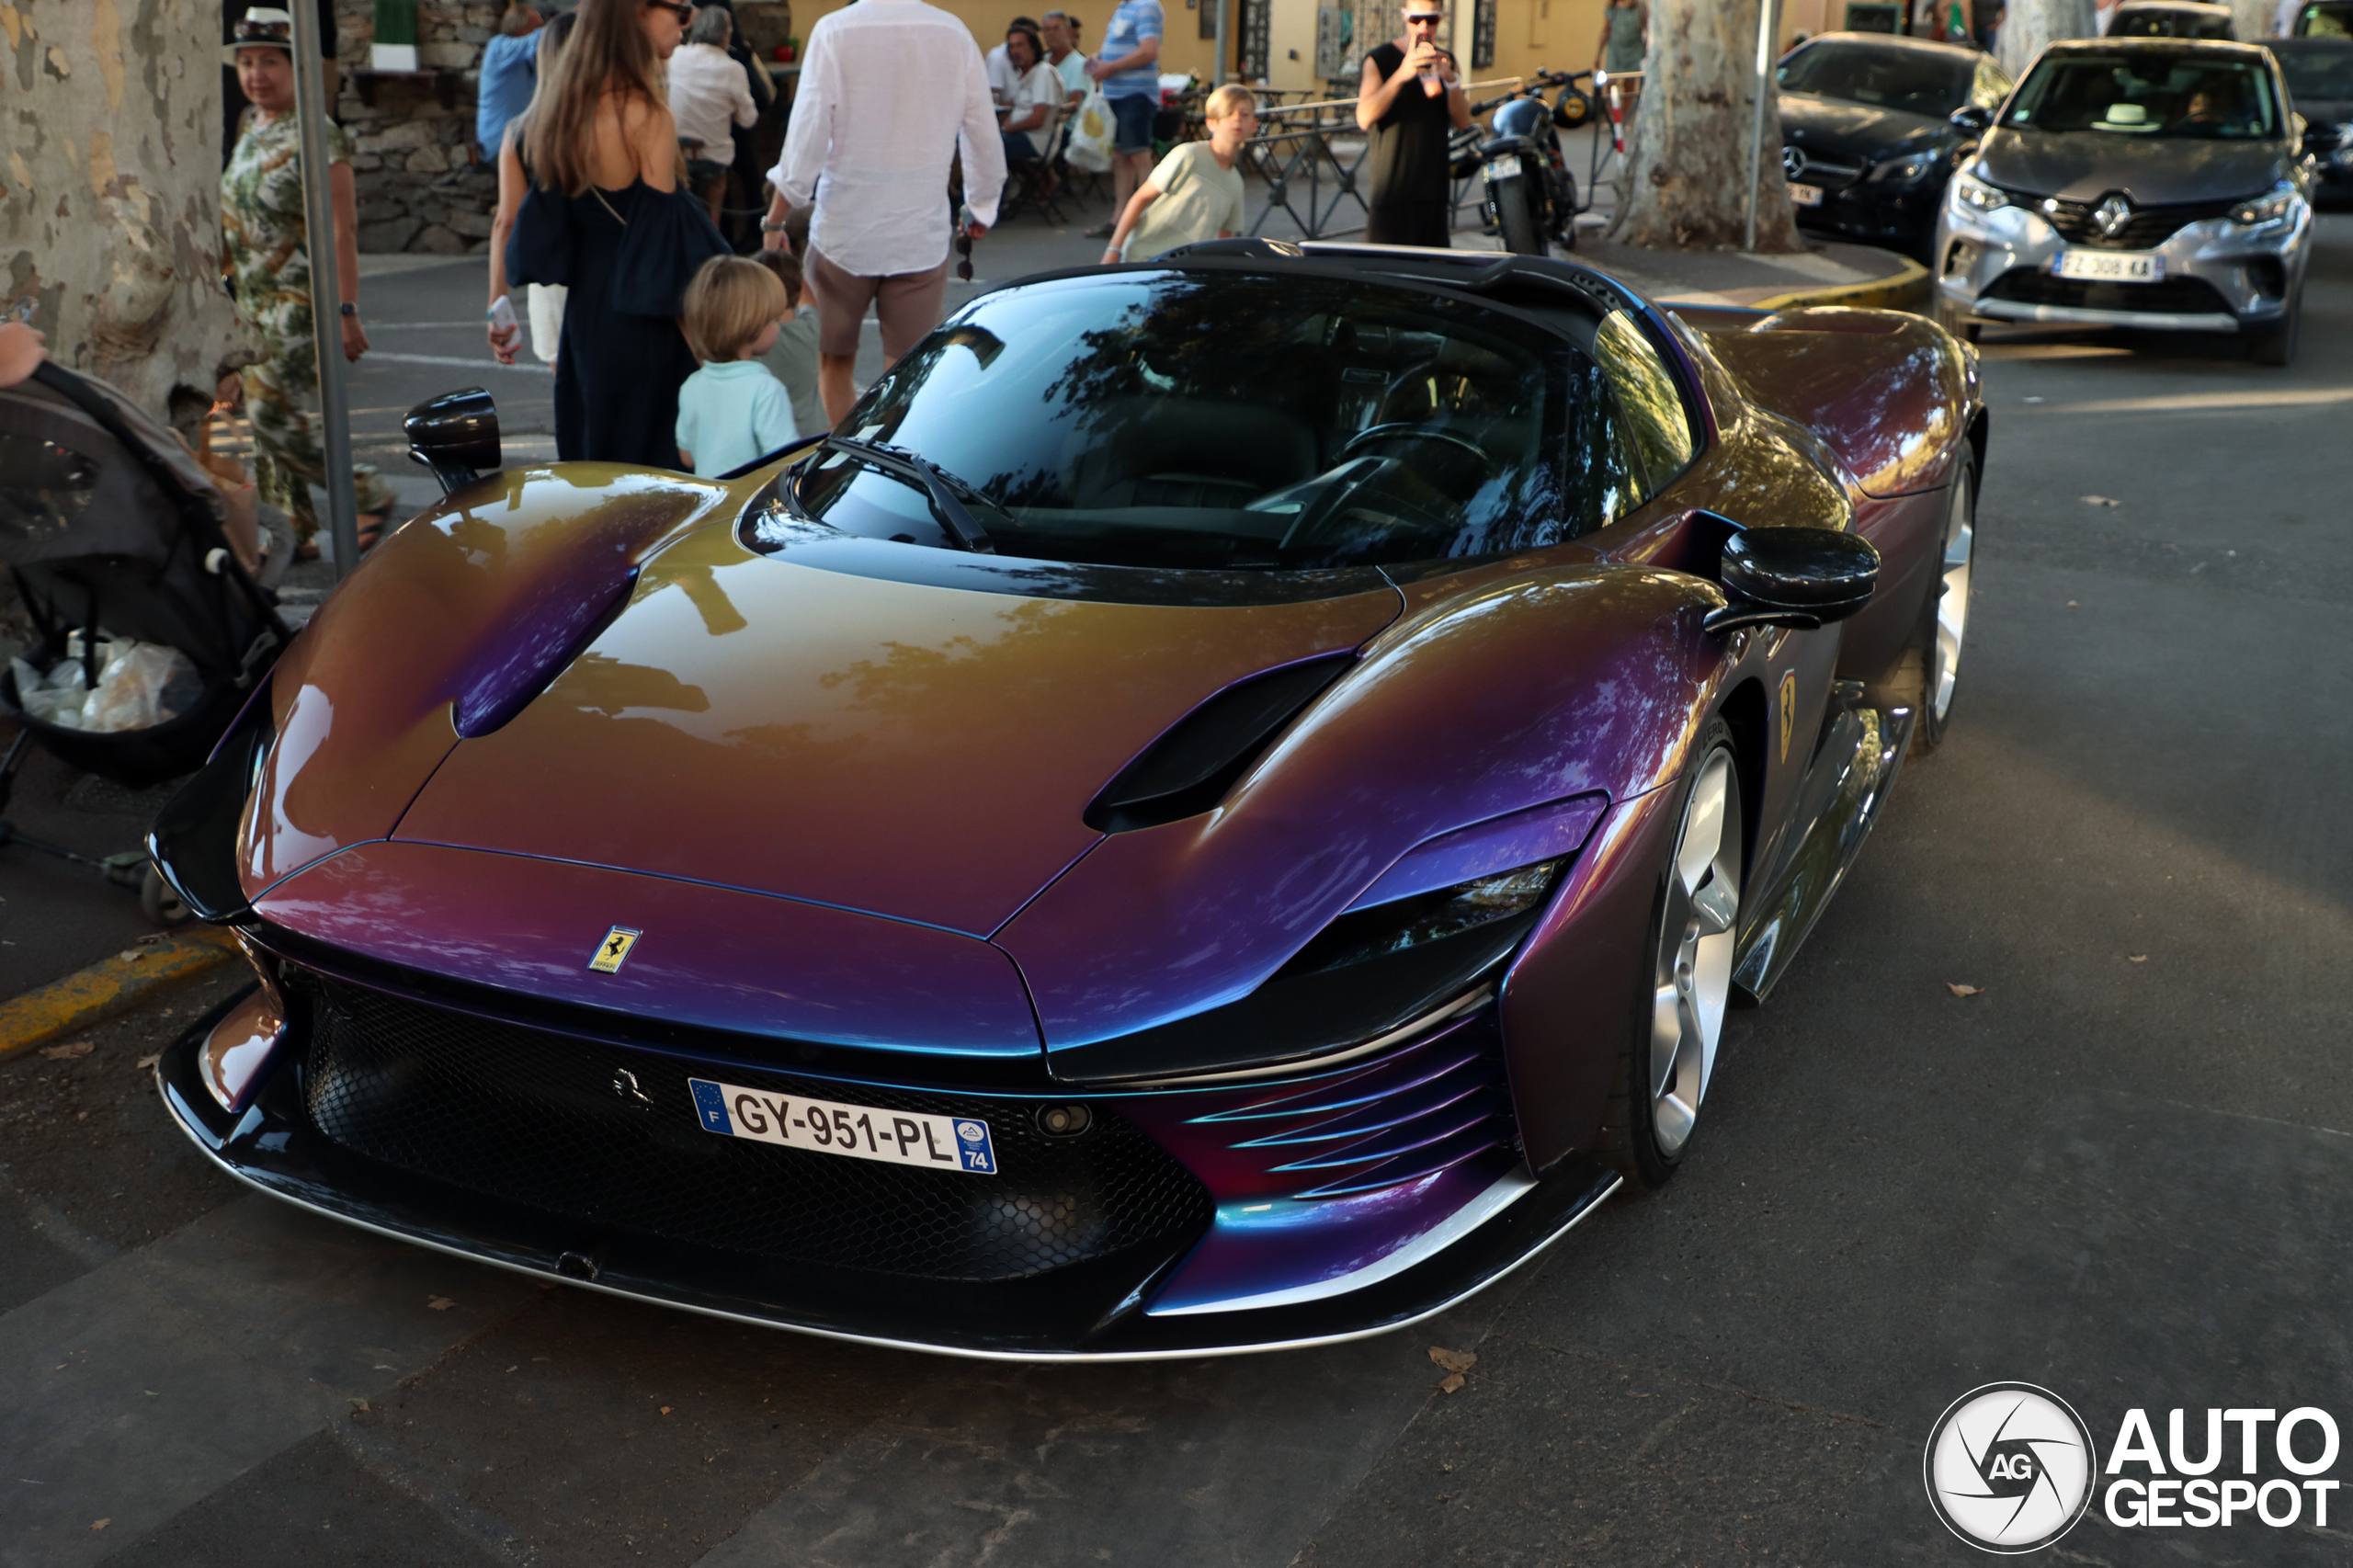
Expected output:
(2029, 26)
(110, 193)
(1687, 183)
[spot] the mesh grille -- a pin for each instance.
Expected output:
(2148, 226)
(2032, 286)
(534, 1118)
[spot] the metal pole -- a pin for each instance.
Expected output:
(326, 295)
(1765, 9)
(1224, 36)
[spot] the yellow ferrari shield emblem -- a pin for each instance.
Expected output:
(1789, 709)
(614, 948)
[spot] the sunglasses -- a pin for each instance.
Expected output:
(963, 254)
(1424, 18)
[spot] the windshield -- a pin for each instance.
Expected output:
(2318, 73)
(1226, 419)
(2186, 95)
(1913, 79)
(2162, 22)
(2324, 21)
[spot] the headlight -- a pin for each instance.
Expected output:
(1970, 191)
(2345, 134)
(1904, 171)
(1428, 917)
(2269, 207)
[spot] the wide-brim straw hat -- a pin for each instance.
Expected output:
(264, 26)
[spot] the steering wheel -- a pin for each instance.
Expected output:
(1405, 430)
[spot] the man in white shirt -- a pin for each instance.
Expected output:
(889, 91)
(1003, 78)
(1061, 33)
(708, 91)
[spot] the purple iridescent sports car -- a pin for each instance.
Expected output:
(1223, 808)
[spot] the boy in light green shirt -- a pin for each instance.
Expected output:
(1196, 193)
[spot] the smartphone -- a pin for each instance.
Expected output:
(502, 315)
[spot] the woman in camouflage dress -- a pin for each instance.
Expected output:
(266, 252)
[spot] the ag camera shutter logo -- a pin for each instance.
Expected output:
(2010, 1467)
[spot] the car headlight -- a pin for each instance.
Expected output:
(1428, 917)
(1905, 170)
(1971, 192)
(2269, 207)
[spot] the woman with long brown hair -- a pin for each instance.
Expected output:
(609, 219)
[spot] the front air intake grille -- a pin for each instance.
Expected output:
(2147, 227)
(535, 1118)
(2174, 296)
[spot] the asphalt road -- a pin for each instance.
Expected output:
(2118, 1171)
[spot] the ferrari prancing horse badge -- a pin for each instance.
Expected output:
(614, 948)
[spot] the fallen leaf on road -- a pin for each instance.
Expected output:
(132, 955)
(146, 1062)
(1965, 990)
(1450, 1382)
(2073, 605)
(68, 1053)
(2136, 958)
(100, 1524)
(2101, 501)
(440, 1303)
(1454, 1360)
(665, 1410)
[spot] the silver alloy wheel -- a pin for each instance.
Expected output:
(1952, 601)
(1692, 973)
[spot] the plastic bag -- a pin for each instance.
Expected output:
(1090, 138)
(141, 685)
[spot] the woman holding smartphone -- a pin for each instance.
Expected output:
(1411, 99)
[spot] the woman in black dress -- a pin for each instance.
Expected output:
(1411, 97)
(609, 219)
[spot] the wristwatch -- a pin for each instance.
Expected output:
(348, 309)
(772, 225)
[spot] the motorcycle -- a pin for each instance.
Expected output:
(1528, 191)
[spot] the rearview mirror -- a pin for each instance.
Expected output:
(1797, 577)
(1974, 119)
(456, 436)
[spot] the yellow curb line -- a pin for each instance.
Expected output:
(110, 986)
(1895, 292)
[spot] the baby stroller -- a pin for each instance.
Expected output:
(149, 631)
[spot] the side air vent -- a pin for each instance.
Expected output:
(1189, 769)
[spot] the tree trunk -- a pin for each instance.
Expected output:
(1687, 188)
(110, 193)
(2031, 25)
(2253, 19)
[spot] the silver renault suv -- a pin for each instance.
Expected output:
(2147, 182)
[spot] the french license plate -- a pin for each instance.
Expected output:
(862, 1132)
(2112, 265)
(1505, 167)
(1805, 195)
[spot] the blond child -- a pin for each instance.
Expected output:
(1196, 193)
(732, 411)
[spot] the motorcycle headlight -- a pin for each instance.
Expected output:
(1905, 170)
(1974, 194)
(2269, 207)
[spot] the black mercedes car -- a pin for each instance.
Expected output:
(2320, 83)
(1871, 127)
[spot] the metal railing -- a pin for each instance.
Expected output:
(1310, 155)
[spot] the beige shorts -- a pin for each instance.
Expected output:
(908, 304)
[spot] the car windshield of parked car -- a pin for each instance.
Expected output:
(2196, 97)
(1232, 420)
(2318, 75)
(1916, 81)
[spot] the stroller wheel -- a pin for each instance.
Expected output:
(158, 902)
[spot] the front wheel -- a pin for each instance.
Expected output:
(1514, 222)
(1665, 1071)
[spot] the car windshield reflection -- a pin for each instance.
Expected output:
(2164, 96)
(1913, 80)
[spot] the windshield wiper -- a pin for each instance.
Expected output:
(949, 493)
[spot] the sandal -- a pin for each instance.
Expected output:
(306, 549)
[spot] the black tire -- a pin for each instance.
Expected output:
(1639, 1135)
(2276, 347)
(1513, 220)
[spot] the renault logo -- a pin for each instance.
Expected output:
(2112, 215)
(1792, 161)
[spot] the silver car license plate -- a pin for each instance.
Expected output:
(1505, 167)
(858, 1131)
(1805, 195)
(2111, 265)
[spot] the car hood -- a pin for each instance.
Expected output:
(2085, 165)
(893, 730)
(1841, 131)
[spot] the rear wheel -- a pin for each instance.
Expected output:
(1664, 1072)
(1513, 220)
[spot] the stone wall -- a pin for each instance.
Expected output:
(422, 184)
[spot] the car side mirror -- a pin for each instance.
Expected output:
(1974, 119)
(1796, 577)
(456, 436)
